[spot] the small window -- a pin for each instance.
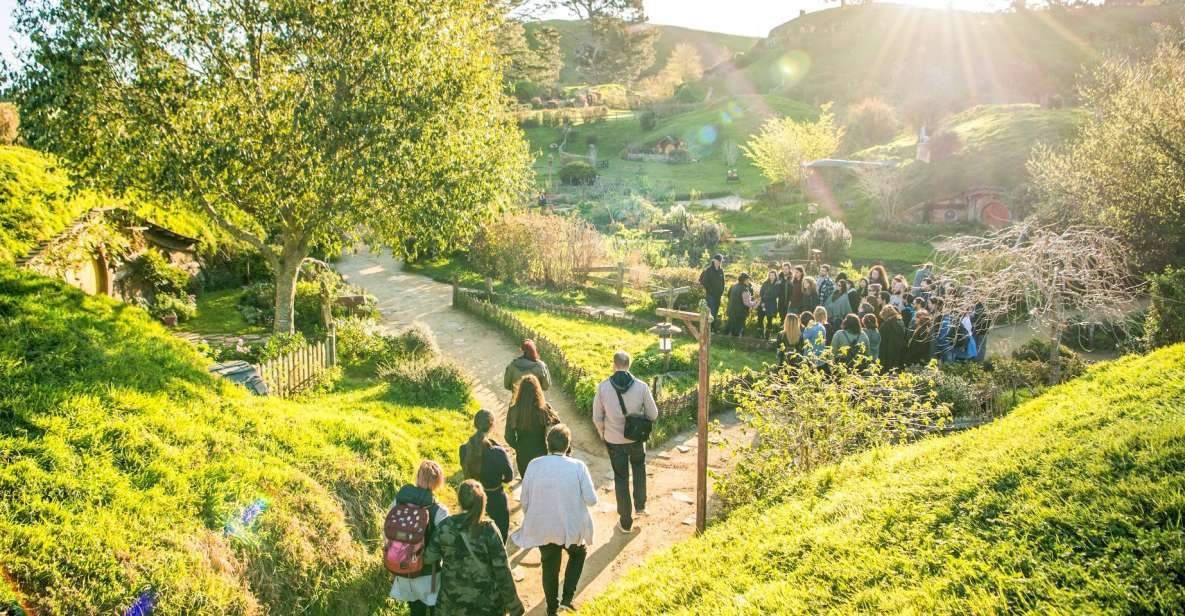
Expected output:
(950, 215)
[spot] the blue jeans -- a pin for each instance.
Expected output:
(625, 459)
(713, 302)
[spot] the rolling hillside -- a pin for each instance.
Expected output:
(1071, 504)
(127, 472)
(957, 57)
(713, 47)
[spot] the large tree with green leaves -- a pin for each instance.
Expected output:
(1126, 170)
(784, 144)
(615, 44)
(291, 123)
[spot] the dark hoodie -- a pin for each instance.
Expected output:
(522, 366)
(621, 381)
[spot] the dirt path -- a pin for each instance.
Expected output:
(405, 298)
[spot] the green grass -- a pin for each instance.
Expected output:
(898, 254)
(38, 201)
(121, 460)
(218, 313)
(1072, 504)
(761, 218)
(704, 130)
(449, 268)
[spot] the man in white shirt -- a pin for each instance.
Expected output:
(626, 456)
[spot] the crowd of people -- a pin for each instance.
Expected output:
(889, 319)
(458, 564)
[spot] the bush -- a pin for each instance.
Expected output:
(675, 277)
(280, 345)
(184, 307)
(830, 236)
(1165, 323)
(806, 417)
(537, 102)
(430, 382)
(231, 270)
(537, 248)
(592, 139)
(529, 91)
(869, 122)
(945, 145)
(682, 155)
(158, 274)
(10, 123)
(950, 389)
(258, 304)
(1035, 354)
(361, 345)
(530, 120)
(648, 120)
(578, 173)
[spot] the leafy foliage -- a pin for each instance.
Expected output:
(536, 248)
(785, 144)
(160, 275)
(869, 122)
(1076, 489)
(578, 173)
(1165, 323)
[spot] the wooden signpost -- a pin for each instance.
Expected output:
(700, 326)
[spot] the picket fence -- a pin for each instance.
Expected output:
(300, 368)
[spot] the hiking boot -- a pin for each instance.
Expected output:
(627, 531)
(641, 513)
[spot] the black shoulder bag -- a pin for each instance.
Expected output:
(637, 427)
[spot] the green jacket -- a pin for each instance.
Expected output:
(520, 367)
(475, 578)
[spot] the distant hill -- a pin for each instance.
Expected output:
(713, 47)
(1069, 505)
(957, 57)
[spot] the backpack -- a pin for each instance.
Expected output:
(406, 530)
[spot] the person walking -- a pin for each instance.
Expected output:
(616, 397)
(421, 591)
(527, 422)
(487, 462)
(557, 492)
(893, 340)
(850, 343)
(712, 280)
(476, 578)
(767, 310)
(527, 363)
(740, 302)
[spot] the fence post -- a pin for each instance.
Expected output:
(620, 281)
(332, 344)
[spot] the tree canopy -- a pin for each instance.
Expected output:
(785, 144)
(290, 124)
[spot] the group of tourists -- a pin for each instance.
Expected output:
(895, 321)
(458, 564)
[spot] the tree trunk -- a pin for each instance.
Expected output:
(286, 274)
(1055, 356)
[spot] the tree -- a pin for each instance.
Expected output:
(683, 65)
(1058, 278)
(885, 187)
(290, 125)
(589, 10)
(1126, 169)
(785, 144)
(533, 56)
(615, 51)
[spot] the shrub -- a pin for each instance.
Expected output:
(949, 388)
(526, 90)
(530, 120)
(280, 345)
(580, 101)
(1035, 354)
(675, 277)
(258, 301)
(806, 417)
(577, 173)
(158, 274)
(945, 145)
(1165, 323)
(10, 123)
(635, 212)
(552, 104)
(869, 122)
(648, 120)
(184, 307)
(537, 248)
(537, 102)
(682, 155)
(430, 382)
(830, 236)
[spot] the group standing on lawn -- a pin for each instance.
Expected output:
(896, 322)
(458, 564)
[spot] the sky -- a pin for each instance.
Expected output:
(747, 17)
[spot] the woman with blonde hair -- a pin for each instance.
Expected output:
(420, 591)
(527, 422)
(789, 343)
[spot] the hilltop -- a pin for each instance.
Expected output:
(1070, 504)
(946, 56)
(713, 47)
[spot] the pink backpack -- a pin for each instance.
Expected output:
(406, 530)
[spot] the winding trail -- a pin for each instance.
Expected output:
(483, 352)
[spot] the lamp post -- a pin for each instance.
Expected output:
(665, 330)
(700, 326)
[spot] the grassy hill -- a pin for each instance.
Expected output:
(713, 47)
(997, 141)
(902, 53)
(38, 201)
(705, 130)
(1071, 504)
(122, 463)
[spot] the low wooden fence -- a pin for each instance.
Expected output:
(299, 369)
(614, 279)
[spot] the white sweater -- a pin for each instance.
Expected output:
(556, 494)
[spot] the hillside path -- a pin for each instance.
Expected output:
(483, 352)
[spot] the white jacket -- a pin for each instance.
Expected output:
(556, 494)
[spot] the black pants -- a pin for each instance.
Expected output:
(768, 319)
(713, 302)
(550, 556)
(498, 510)
(419, 608)
(736, 323)
(624, 459)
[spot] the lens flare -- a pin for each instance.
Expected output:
(725, 118)
(735, 110)
(241, 524)
(144, 604)
(793, 66)
(706, 135)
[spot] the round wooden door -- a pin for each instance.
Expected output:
(995, 215)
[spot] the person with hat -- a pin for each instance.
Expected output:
(489, 463)
(740, 302)
(712, 280)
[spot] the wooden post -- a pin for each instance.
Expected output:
(621, 281)
(701, 466)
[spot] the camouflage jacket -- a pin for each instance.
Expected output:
(475, 578)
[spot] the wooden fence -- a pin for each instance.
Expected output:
(614, 279)
(301, 368)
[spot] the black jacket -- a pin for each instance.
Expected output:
(893, 344)
(713, 280)
(736, 300)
